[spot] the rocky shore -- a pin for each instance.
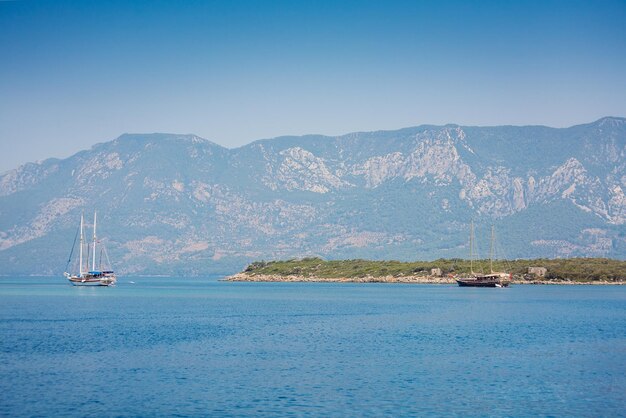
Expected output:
(244, 277)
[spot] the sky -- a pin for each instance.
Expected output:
(73, 74)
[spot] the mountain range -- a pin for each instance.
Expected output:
(183, 205)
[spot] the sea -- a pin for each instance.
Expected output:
(154, 346)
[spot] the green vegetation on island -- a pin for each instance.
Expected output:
(580, 270)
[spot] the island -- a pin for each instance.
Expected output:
(442, 271)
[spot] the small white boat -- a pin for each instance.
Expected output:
(89, 275)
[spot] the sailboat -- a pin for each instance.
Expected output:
(493, 279)
(88, 275)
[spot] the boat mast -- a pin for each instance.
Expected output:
(490, 251)
(472, 247)
(93, 264)
(80, 257)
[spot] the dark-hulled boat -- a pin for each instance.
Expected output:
(485, 280)
(493, 279)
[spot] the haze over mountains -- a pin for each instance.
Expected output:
(180, 204)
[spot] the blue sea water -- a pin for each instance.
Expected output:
(184, 347)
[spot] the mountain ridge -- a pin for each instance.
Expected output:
(183, 204)
(613, 119)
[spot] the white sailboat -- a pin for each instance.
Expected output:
(89, 275)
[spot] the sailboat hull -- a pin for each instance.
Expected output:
(482, 282)
(92, 281)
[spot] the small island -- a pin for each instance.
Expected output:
(442, 271)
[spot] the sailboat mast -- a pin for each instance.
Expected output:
(491, 251)
(472, 247)
(80, 257)
(93, 264)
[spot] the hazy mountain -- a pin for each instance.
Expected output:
(180, 204)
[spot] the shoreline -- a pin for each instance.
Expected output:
(269, 278)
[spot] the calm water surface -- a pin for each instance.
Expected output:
(202, 347)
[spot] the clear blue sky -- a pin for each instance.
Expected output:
(76, 73)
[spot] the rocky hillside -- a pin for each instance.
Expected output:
(180, 204)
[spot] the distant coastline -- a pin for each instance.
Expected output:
(596, 271)
(245, 277)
